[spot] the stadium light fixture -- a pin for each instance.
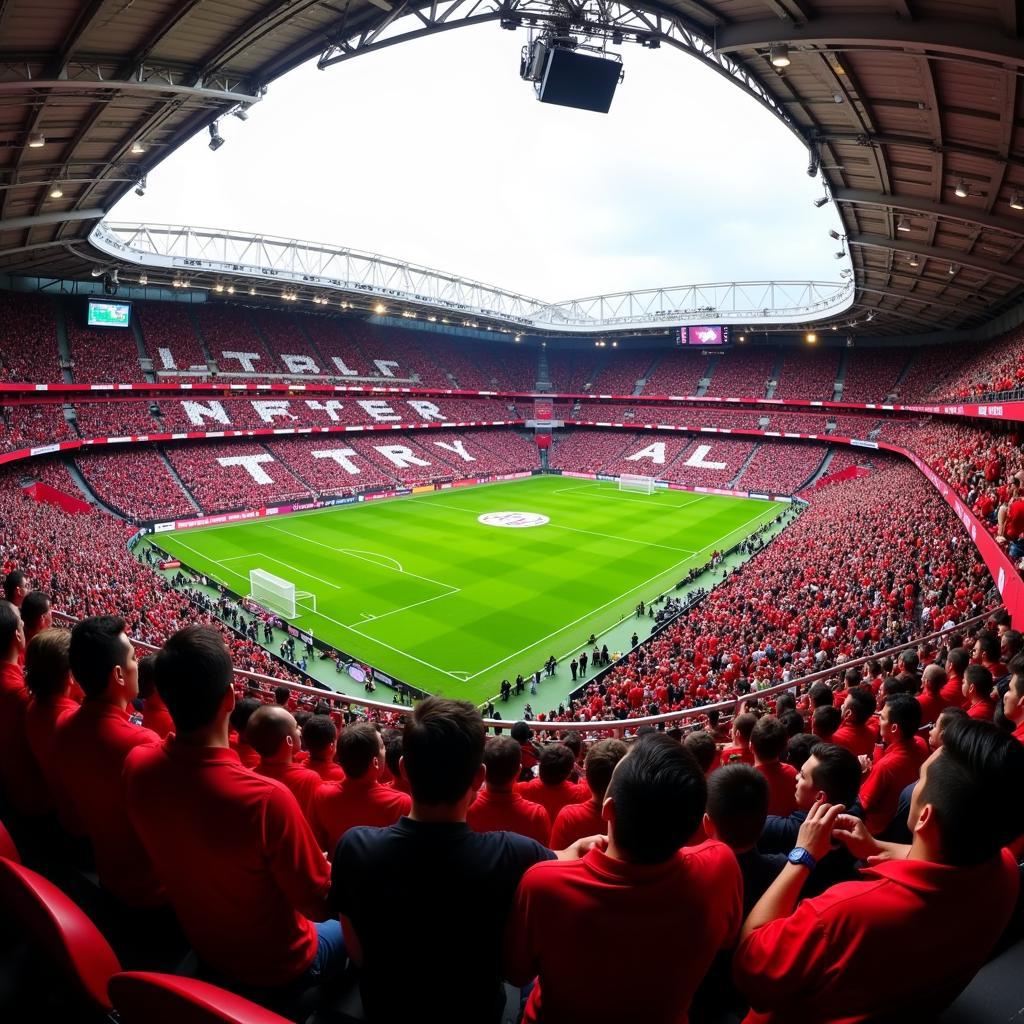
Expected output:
(231, 289)
(216, 139)
(961, 191)
(36, 140)
(839, 255)
(811, 338)
(143, 279)
(140, 189)
(743, 338)
(779, 55)
(56, 192)
(615, 344)
(821, 201)
(903, 224)
(953, 268)
(252, 291)
(380, 309)
(218, 287)
(1016, 202)
(137, 148)
(834, 234)
(914, 261)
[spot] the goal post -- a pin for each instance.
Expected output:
(636, 483)
(273, 592)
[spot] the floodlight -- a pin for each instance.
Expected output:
(903, 224)
(140, 189)
(914, 262)
(36, 140)
(821, 201)
(779, 55)
(137, 148)
(961, 189)
(835, 234)
(216, 140)
(1016, 202)
(56, 192)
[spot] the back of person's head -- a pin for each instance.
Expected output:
(783, 703)
(702, 745)
(318, 733)
(98, 646)
(987, 646)
(242, 712)
(521, 732)
(269, 728)
(34, 609)
(934, 678)
(574, 742)
(825, 722)
(793, 722)
(892, 685)
(980, 678)
(503, 757)
(14, 580)
(852, 678)
(554, 763)
(905, 712)
(768, 739)
(973, 786)
(957, 660)
(737, 805)
(194, 675)
(743, 725)
(147, 676)
(799, 748)
(47, 665)
(861, 705)
(658, 792)
(281, 695)
(908, 662)
(358, 745)
(836, 772)
(1011, 643)
(1016, 670)
(820, 694)
(10, 623)
(601, 760)
(443, 748)
(393, 751)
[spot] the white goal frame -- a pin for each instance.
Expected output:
(277, 594)
(636, 483)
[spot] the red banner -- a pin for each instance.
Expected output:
(45, 493)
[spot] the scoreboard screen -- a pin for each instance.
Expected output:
(702, 336)
(105, 313)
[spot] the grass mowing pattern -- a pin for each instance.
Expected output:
(422, 590)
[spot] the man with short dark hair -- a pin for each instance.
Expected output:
(577, 820)
(978, 686)
(36, 613)
(986, 653)
(572, 922)
(702, 745)
(90, 749)
(498, 806)
(742, 726)
(899, 764)
(825, 722)
(241, 867)
(935, 908)
(359, 798)
(455, 886)
(956, 664)
(275, 736)
(16, 587)
(856, 734)
(552, 788)
(768, 741)
(320, 738)
(523, 735)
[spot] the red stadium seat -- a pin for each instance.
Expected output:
(8, 848)
(59, 932)
(167, 999)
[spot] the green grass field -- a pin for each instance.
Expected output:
(422, 590)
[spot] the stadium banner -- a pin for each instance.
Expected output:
(578, 476)
(169, 563)
(423, 488)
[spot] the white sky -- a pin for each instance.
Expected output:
(437, 152)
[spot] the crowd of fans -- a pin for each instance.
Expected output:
(782, 467)
(170, 340)
(871, 373)
(808, 374)
(28, 339)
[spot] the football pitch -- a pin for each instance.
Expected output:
(420, 588)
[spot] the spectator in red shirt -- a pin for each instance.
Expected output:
(90, 748)
(825, 722)
(977, 690)
(956, 664)
(702, 745)
(36, 614)
(498, 806)
(1013, 699)
(933, 681)
(986, 653)
(899, 764)
(523, 735)
(768, 741)
(320, 738)
(575, 821)
(552, 788)
(240, 715)
(953, 884)
(274, 735)
(855, 734)
(569, 919)
(742, 726)
(154, 714)
(360, 798)
(247, 901)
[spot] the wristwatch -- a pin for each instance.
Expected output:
(800, 856)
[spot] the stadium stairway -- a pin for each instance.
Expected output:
(820, 471)
(837, 390)
(177, 479)
(746, 462)
(543, 372)
(705, 382)
(904, 373)
(638, 388)
(63, 345)
(773, 378)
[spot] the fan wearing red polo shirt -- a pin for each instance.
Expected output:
(274, 735)
(569, 918)
(956, 664)
(987, 649)
(498, 807)
(240, 864)
(36, 614)
(953, 884)
(575, 821)
(523, 735)
(977, 690)
(899, 764)
(243, 711)
(1013, 699)
(320, 738)
(360, 798)
(552, 788)
(855, 734)
(742, 726)
(933, 681)
(89, 752)
(768, 741)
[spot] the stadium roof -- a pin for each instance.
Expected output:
(909, 107)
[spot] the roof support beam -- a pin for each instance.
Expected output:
(43, 219)
(958, 39)
(951, 211)
(920, 142)
(127, 86)
(932, 252)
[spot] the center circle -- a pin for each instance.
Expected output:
(513, 520)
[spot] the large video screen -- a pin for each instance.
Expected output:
(707, 335)
(105, 313)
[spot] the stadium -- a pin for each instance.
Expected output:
(380, 644)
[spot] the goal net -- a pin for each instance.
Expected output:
(279, 595)
(633, 482)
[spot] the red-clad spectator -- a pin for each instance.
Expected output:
(987, 649)
(569, 918)
(155, 715)
(768, 741)
(956, 664)
(742, 728)
(899, 764)
(360, 798)
(933, 681)
(575, 821)
(523, 735)
(320, 738)
(498, 807)
(36, 614)
(274, 735)
(855, 734)
(248, 901)
(953, 883)
(90, 749)
(1013, 699)
(240, 715)
(978, 702)
(552, 788)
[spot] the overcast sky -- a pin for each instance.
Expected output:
(437, 152)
